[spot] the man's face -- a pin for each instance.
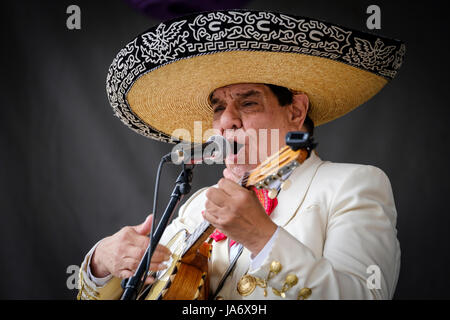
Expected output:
(250, 114)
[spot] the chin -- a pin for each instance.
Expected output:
(240, 169)
(241, 162)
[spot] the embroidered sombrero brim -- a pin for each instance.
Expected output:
(159, 84)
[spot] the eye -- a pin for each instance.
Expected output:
(218, 109)
(248, 103)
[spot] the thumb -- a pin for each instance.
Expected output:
(228, 174)
(144, 227)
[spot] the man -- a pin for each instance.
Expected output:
(330, 225)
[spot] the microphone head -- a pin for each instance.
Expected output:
(216, 149)
(216, 139)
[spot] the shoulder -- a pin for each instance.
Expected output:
(337, 175)
(195, 201)
(346, 182)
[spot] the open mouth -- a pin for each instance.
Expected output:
(235, 147)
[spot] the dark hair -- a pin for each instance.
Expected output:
(285, 97)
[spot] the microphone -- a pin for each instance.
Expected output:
(214, 150)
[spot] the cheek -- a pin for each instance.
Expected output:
(216, 124)
(275, 127)
(251, 123)
(270, 120)
(258, 120)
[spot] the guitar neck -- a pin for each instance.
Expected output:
(205, 229)
(195, 239)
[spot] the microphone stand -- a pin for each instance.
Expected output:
(182, 187)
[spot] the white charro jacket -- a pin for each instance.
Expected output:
(337, 239)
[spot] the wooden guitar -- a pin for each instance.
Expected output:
(186, 278)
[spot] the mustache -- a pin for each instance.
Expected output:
(234, 134)
(258, 144)
(243, 136)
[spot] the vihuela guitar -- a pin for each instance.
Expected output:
(186, 277)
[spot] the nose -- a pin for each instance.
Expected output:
(230, 119)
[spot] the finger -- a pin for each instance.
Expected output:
(163, 249)
(144, 228)
(125, 273)
(137, 252)
(160, 256)
(228, 174)
(212, 208)
(149, 280)
(143, 242)
(129, 263)
(229, 187)
(139, 242)
(134, 253)
(210, 217)
(217, 196)
(157, 266)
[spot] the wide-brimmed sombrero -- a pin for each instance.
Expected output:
(161, 81)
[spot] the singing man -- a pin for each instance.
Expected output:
(328, 231)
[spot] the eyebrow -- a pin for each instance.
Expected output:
(213, 100)
(249, 93)
(242, 95)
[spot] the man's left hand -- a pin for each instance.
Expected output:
(237, 212)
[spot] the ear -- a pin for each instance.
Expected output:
(299, 109)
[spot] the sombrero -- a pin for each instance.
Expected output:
(160, 82)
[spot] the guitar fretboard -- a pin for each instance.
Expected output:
(198, 232)
(193, 237)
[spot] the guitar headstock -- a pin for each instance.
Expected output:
(298, 148)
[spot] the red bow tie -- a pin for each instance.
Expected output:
(268, 204)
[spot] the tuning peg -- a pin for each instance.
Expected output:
(286, 184)
(272, 193)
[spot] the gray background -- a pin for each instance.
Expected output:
(72, 173)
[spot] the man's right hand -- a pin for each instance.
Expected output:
(121, 253)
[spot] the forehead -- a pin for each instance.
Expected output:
(239, 90)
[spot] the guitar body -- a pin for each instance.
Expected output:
(186, 278)
(191, 280)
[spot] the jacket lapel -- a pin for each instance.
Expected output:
(220, 260)
(288, 203)
(289, 200)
